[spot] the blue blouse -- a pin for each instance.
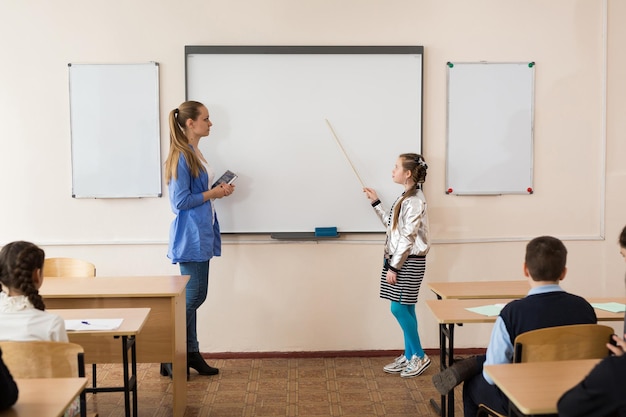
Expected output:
(194, 233)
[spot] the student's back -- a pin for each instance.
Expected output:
(546, 309)
(21, 321)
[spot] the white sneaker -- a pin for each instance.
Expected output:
(397, 365)
(416, 366)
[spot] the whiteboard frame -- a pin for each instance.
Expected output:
(115, 130)
(478, 160)
(375, 166)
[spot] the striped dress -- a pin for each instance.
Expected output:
(409, 280)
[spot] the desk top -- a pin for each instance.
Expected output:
(132, 323)
(108, 287)
(452, 311)
(44, 397)
(535, 387)
(480, 289)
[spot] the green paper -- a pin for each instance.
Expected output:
(612, 307)
(488, 310)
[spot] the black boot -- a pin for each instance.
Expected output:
(460, 371)
(196, 361)
(166, 370)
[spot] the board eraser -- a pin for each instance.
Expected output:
(325, 231)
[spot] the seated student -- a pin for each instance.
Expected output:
(601, 393)
(545, 305)
(8, 388)
(22, 310)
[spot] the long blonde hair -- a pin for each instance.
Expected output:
(415, 163)
(179, 143)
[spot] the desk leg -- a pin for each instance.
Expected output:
(446, 357)
(133, 356)
(126, 376)
(130, 379)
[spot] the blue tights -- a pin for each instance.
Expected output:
(405, 314)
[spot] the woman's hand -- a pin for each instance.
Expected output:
(222, 190)
(392, 277)
(370, 194)
(620, 345)
(227, 189)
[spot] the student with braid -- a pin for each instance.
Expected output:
(22, 310)
(405, 252)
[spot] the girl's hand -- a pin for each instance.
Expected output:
(620, 345)
(370, 194)
(392, 277)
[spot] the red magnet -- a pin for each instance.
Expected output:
(449, 191)
(530, 190)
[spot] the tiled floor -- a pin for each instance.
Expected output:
(344, 386)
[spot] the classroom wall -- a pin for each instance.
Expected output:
(267, 296)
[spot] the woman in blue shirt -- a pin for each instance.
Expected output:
(195, 232)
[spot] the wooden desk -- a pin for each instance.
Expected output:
(480, 289)
(132, 323)
(44, 397)
(453, 311)
(535, 387)
(164, 335)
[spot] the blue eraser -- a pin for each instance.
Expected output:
(325, 231)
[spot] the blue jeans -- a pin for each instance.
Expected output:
(195, 294)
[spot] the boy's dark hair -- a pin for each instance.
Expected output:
(545, 258)
(622, 238)
(18, 261)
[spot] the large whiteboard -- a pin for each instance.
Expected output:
(269, 106)
(114, 117)
(490, 128)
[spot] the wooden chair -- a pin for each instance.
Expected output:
(43, 359)
(68, 267)
(576, 341)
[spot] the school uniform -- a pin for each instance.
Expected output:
(545, 306)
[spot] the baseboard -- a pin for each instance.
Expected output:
(331, 354)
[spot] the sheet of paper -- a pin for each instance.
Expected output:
(92, 324)
(487, 310)
(612, 307)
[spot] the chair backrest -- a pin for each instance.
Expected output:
(43, 359)
(68, 267)
(577, 341)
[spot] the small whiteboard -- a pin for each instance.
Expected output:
(490, 128)
(114, 118)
